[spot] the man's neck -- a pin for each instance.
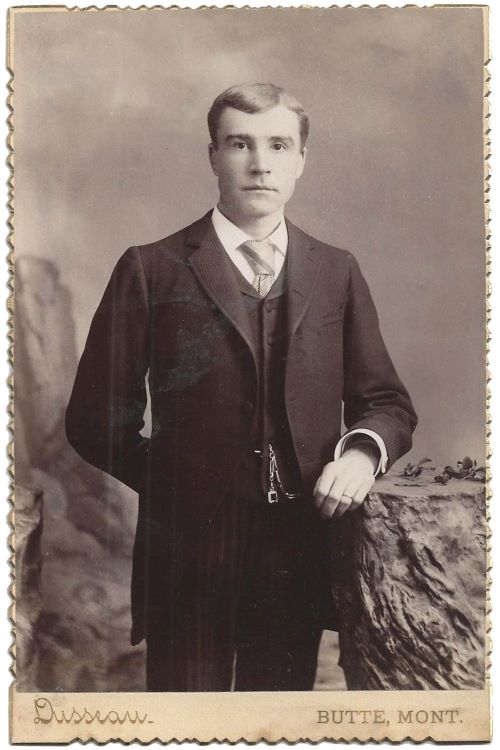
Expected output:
(259, 227)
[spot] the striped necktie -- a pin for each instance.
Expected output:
(260, 255)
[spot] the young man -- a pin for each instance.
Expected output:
(252, 335)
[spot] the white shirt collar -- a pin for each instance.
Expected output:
(232, 236)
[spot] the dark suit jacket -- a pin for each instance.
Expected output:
(172, 312)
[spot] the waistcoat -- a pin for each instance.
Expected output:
(270, 422)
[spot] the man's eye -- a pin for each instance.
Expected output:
(240, 145)
(279, 146)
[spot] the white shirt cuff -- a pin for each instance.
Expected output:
(382, 464)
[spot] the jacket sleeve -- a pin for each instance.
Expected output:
(374, 396)
(105, 412)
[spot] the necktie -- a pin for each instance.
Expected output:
(260, 255)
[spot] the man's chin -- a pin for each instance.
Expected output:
(262, 205)
(251, 209)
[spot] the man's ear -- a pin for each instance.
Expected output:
(212, 155)
(302, 163)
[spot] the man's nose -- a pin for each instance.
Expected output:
(260, 162)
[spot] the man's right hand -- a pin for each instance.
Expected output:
(344, 483)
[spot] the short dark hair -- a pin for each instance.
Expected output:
(252, 98)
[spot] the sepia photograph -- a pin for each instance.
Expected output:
(249, 262)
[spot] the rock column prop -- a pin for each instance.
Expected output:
(409, 580)
(28, 530)
(74, 527)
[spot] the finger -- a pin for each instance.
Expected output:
(350, 489)
(321, 488)
(354, 485)
(324, 484)
(329, 507)
(343, 506)
(339, 487)
(336, 503)
(321, 495)
(360, 495)
(356, 489)
(316, 486)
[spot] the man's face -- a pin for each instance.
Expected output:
(257, 161)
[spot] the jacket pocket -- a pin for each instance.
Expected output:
(332, 317)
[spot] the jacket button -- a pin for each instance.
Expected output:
(247, 407)
(269, 306)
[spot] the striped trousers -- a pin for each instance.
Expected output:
(249, 611)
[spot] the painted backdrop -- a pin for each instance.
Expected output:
(110, 150)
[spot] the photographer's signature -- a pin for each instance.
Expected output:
(46, 714)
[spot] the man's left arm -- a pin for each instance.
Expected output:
(378, 412)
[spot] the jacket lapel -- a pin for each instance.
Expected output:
(302, 272)
(212, 267)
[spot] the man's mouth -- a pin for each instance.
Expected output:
(259, 188)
